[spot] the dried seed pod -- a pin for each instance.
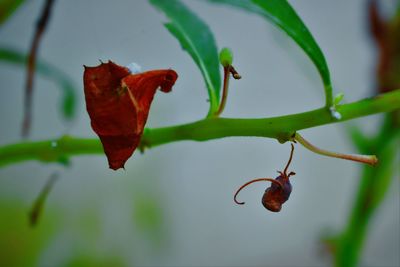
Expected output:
(279, 191)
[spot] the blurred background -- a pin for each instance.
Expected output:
(173, 205)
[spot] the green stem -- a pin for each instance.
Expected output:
(224, 91)
(328, 96)
(281, 128)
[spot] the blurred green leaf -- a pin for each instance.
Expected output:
(148, 215)
(68, 106)
(285, 17)
(374, 185)
(383, 173)
(85, 259)
(359, 139)
(20, 245)
(38, 205)
(197, 39)
(7, 8)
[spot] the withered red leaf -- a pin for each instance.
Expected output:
(118, 104)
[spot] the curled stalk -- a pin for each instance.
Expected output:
(254, 181)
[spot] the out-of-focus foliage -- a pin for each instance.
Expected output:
(85, 260)
(21, 245)
(347, 246)
(148, 214)
(7, 8)
(374, 184)
(69, 101)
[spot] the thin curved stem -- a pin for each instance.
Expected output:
(31, 65)
(290, 160)
(254, 181)
(225, 89)
(368, 159)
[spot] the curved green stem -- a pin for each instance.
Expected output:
(281, 128)
(368, 159)
(328, 96)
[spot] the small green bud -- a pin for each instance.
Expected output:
(337, 99)
(225, 57)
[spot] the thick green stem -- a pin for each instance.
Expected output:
(281, 128)
(328, 96)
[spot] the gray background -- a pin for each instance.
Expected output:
(194, 182)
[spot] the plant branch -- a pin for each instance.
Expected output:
(280, 128)
(31, 65)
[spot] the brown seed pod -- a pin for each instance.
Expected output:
(279, 191)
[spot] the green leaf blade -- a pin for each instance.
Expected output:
(281, 13)
(197, 39)
(246, 5)
(7, 8)
(69, 98)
